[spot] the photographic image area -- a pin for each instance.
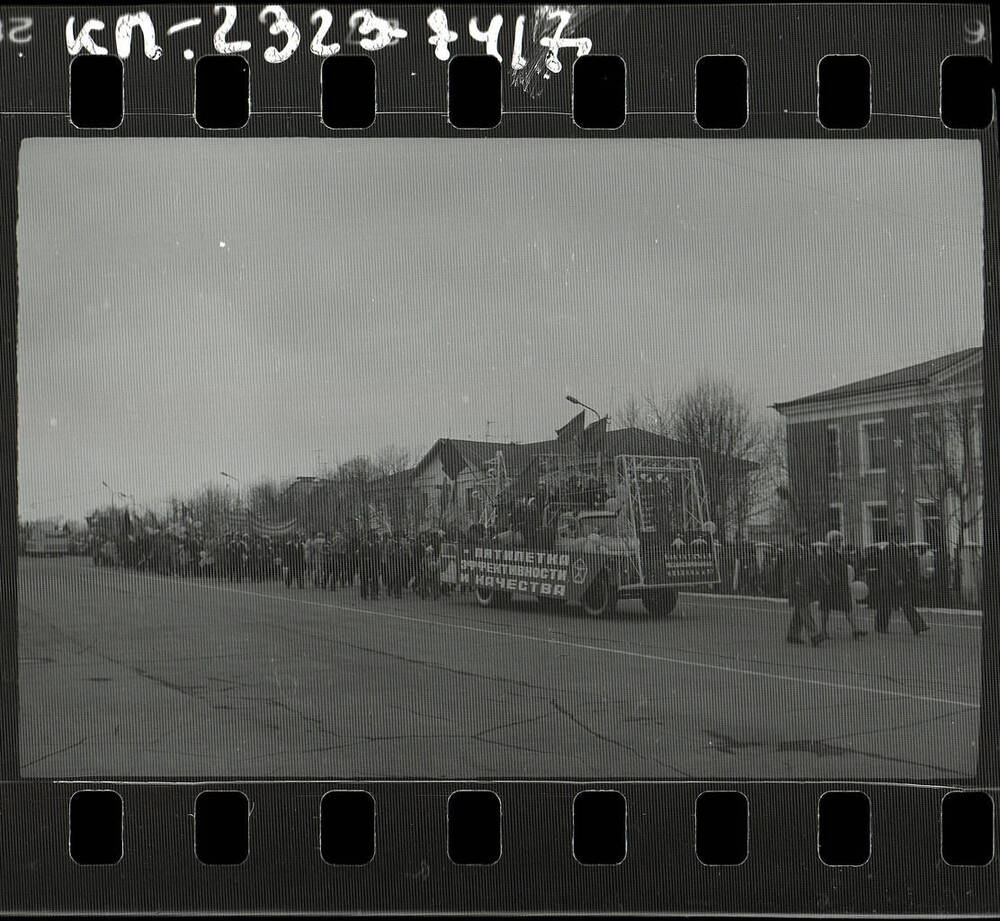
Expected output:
(407, 458)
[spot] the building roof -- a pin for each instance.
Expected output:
(519, 456)
(914, 375)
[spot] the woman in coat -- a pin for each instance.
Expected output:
(803, 580)
(835, 594)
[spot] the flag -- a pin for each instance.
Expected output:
(593, 436)
(529, 477)
(572, 432)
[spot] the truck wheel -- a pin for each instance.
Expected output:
(487, 597)
(660, 602)
(601, 598)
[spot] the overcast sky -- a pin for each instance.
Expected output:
(191, 306)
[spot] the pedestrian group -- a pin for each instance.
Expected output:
(826, 580)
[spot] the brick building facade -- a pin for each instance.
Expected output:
(900, 449)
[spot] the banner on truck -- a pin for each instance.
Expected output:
(514, 570)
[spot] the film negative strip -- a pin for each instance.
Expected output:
(328, 588)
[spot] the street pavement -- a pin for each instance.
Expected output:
(127, 675)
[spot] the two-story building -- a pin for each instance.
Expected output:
(900, 449)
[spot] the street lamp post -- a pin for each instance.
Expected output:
(600, 453)
(112, 492)
(577, 402)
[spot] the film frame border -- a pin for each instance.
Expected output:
(278, 875)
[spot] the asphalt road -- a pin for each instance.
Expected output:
(127, 675)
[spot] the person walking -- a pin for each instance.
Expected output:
(430, 575)
(803, 582)
(369, 565)
(307, 549)
(316, 569)
(897, 574)
(835, 594)
(295, 560)
(351, 559)
(338, 561)
(328, 578)
(243, 558)
(391, 568)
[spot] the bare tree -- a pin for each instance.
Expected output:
(947, 447)
(264, 498)
(340, 499)
(721, 424)
(648, 410)
(392, 459)
(740, 448)
(210, 506)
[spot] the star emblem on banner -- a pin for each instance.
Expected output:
(579, 570)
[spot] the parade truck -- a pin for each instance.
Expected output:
(651, 539)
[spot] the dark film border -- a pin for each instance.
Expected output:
(411, 871)
(782, 46)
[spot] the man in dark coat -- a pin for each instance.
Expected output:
(243, 558)
(395, 569)
(350, 561)
(368, 563)
(803, 584)
(835, 594)
(897, 574)
(295, 560)
(328, 577)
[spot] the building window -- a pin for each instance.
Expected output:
(929, 521)
(876, 523)
(924, 441)
(835, 518)
(872, 443)
(833, 450)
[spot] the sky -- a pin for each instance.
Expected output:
(189, 306)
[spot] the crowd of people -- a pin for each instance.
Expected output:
(382, 563)
(374, 560)
(379, 561)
